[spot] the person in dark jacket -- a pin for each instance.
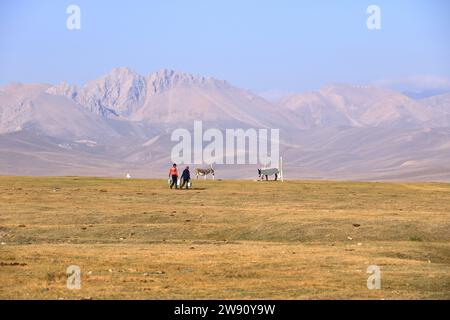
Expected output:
(185, 177)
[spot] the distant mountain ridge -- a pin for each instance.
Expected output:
(122, 91)
(122, 122)
(362, 106)
(167, 96)
(125, 94)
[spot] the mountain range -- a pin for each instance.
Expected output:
(122, 122)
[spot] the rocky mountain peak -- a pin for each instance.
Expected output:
(112, 95)
(165, 79)
(122, 91)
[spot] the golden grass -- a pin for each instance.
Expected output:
(137, 239)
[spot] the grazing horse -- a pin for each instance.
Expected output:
(268, 172)
(204, 172)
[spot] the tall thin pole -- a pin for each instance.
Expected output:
(281, 169)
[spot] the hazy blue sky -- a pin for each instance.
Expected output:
(260, 45)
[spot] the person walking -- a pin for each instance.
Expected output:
(173, 174)
(185, 177)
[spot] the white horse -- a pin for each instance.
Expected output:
(205, 172)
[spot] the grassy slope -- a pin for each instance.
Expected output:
(223, 239)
